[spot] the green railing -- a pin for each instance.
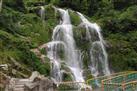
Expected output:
(130, 86)
(71, 86)
(124, 82)
(97, 82)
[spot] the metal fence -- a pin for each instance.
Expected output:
(123, 81)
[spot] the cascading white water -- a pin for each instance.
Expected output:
(1, 5)
(98, 54)
(63, 34)
(42, 12)
(52, 54)
(62, 40)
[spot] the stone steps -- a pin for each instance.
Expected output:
(19, 85)
(36, 82)
(18, 89)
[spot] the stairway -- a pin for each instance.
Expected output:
(20, 85)
(36, 82)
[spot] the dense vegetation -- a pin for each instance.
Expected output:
(22, 29)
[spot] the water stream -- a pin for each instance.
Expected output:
(63, 33)
(98, 54)
(1, 5)
(63, 42)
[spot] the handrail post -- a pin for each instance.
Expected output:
(123, 87)
(102, 85)
(133, 86)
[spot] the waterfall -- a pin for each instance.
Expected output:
(52, 54)
(63, 52)
(63, 35)
(42, 12)
(0, 5)
(98, 55)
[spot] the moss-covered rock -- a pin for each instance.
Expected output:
(75, 20)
